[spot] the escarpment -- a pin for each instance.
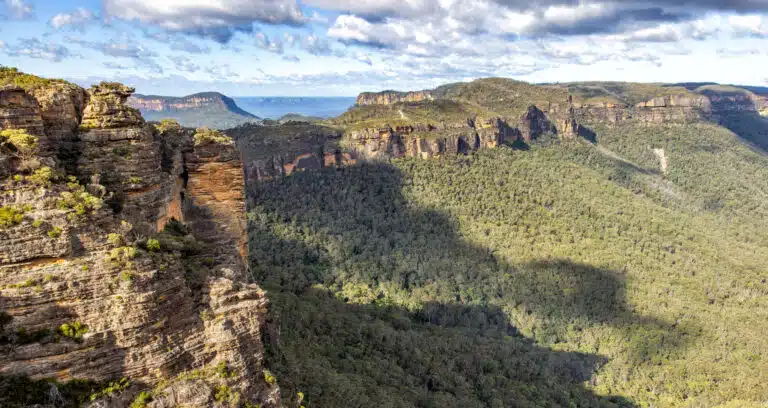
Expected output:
(123, 256)
(392, 97)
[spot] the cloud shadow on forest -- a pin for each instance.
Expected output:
(353, 230)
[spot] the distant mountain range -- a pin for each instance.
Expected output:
(210, 109)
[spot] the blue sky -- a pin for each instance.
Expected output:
(343, 47)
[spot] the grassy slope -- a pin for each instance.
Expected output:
(423, 283)
(620, 92)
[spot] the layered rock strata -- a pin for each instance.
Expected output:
(92, 287)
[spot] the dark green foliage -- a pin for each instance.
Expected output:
(546, 277)
(23, 392)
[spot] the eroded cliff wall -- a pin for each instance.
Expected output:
(127, 259)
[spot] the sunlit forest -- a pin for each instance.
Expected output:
(557, 274)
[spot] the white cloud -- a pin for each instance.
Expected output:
(34, 48)
(19, 9)
(265, 43)
(217, 19)
(75, 19)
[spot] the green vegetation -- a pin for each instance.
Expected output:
(54, 233)
(43, 177)
(223, 394)
(551, 277)
(142, 400)
(79, 201)
(110, 388)
(502, 96)
(18, 142)
(168, 125)
(404, 114)
(630, 93)
(153, 245)
(204, 136)
(74, 331)
(115, 239)
(269, 377)
(23, 392)
(12, 76)
(10, 216)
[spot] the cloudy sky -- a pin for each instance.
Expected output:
(342, 47)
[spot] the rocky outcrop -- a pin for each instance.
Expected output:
(107, 108)
(535, 123)
(428, 140)
(665, 109)
(392, 97)
(215, 203)
(93, 286)
(19, 110)
(280, 150)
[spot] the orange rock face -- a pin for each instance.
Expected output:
(151, 314)
(216, 202)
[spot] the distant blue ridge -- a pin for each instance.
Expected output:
(275, 107)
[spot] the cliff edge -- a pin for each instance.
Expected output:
(123, 260)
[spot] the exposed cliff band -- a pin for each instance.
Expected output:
(125, 254)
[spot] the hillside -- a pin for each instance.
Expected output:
(619, 265)
(209, 109)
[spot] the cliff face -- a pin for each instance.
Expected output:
(392, 97)
(550, 110)
(426, 140)
(210, 101)
(278, 151)
(93, 286)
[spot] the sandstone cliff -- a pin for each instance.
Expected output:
(122, 255)
(392, 97)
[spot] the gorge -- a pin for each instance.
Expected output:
(581, 244)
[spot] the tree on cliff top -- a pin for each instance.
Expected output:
(12, 76)
(206, 135)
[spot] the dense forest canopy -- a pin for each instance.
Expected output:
(563, 275)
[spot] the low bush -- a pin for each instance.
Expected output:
(74, 331)
(10, 216)
(43, 177)
(205, 136)
(153, 245)
(142, 400)
(54, 233)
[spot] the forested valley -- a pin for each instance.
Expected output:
(559, 274)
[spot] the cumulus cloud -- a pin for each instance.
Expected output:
(122, 48)
(184, 64)
(114, 65)
(19, 9)
(377, 9)
(316, 45)
(76, 19)
(34, 48)
(265, 43)
(216, 19)
(221, 72)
